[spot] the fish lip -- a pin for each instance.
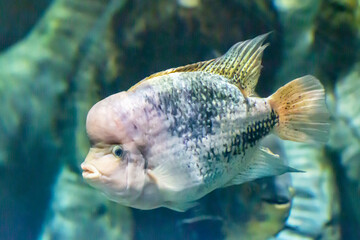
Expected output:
(89, 171)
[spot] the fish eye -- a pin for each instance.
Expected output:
(118, 151)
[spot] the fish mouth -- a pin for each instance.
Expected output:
(89, 171)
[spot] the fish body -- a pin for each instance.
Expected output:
(185, 132)
(210, 141)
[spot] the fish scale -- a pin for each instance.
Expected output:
(219, 126)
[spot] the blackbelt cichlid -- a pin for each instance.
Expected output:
(184, 132)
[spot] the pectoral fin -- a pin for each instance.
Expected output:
(264, 164)
(171, 178)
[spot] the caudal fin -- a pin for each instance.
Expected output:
(300, 105)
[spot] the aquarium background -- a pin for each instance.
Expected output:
(58, 58)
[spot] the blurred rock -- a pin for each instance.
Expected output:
(346, 131)
(37, 92)
(336, 38)
(17, 18)
(297, 22)
(315, 206)
(345, 149)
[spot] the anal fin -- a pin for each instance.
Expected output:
(264, 164)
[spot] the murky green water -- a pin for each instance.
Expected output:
(60, 57)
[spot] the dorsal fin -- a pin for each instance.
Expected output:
(241, 64)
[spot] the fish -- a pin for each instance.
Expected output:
(179, 134)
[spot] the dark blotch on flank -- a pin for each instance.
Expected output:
(248, 138)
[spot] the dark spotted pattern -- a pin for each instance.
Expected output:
(201, 107)
(249, 138)
(194, 109)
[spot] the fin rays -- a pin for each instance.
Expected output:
(303, 116)
(241, 64)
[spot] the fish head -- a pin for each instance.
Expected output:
(115, 170)
(114, 164)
